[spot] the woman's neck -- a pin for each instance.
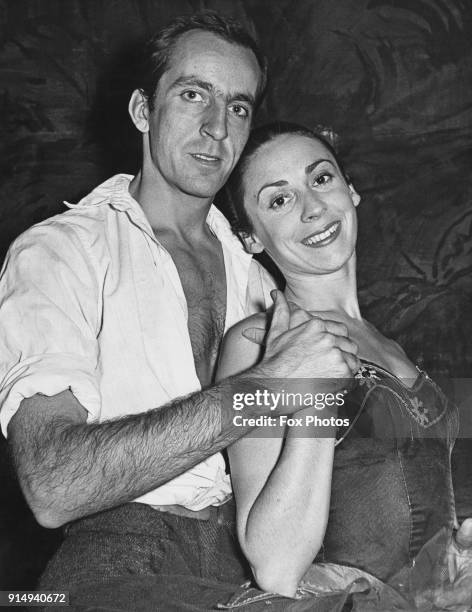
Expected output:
(336, 291)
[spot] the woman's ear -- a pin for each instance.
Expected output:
(251, 243)
(139, 110)
(356, 198)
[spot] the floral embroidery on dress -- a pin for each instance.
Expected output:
(419, 411)
(367, 375)
(370, 376)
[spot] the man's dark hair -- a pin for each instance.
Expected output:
(234, 189)
(157, 51)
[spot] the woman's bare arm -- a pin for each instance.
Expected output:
(282, 488)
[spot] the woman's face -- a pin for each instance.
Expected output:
(302, 209)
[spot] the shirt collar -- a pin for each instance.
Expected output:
(114, 192)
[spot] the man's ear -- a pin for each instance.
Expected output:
(251, 243)
(356, 198)
(139, 110)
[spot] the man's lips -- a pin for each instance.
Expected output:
(324, 236)
(205, 158)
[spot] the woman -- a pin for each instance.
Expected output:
(370, 495)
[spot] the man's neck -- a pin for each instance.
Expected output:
(167, 208)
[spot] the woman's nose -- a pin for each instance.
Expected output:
(313, 207)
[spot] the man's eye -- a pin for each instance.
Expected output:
(322, 179)
(192, 96)
(279, 201)
(239, 110)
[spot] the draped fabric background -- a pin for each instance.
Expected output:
(392, 77)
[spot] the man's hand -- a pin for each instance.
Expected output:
(300, 345)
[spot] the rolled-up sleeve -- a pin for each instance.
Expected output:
(49, 319)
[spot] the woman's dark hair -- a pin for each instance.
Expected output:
(234, 189)
(156, 53)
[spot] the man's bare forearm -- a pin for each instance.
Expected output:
(69, 470)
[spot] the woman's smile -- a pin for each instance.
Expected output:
(325, 236)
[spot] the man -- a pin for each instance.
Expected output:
(112, 315)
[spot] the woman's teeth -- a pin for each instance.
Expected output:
(321, 236)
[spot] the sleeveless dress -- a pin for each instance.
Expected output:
(392, 485)
(391, 498)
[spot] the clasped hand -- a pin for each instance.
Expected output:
(299, 344)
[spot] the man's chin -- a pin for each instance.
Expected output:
(202, 190)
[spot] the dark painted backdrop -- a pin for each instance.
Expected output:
(392, 77)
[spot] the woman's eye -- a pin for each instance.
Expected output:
(322, 179)
(192, 96)
(279, 201)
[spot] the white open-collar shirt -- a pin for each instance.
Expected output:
(90, 301)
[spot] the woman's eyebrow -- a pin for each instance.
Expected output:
(312, 166)
(275, 184)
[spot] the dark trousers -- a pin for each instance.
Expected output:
(136, 558)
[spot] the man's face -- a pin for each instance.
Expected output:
(202, 113)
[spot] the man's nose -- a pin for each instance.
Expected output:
(313, 207)
(215, 121)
